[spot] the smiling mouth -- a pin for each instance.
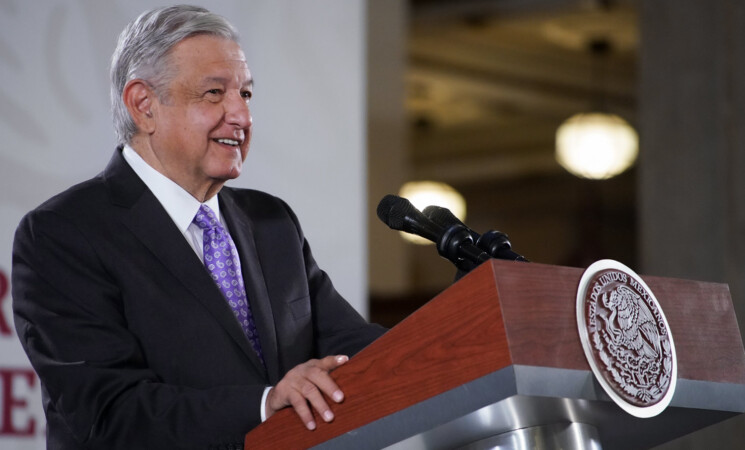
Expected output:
(230, 142)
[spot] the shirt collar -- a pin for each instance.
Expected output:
(177, 202)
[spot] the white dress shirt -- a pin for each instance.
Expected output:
(179, 204)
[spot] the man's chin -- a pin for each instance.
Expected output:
(227, 173)
(234, 173)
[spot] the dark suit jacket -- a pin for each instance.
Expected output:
(133, 342)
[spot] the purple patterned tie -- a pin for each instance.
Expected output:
(221, 259)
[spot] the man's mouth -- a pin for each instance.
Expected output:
(226, 141)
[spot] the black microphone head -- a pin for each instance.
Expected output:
(392, 210)
(446, 219)
(441, 216)
(398, 213)
(454, 242)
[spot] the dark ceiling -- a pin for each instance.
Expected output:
(488, 83)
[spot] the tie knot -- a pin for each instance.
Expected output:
(206, 218)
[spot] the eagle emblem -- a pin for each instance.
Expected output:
(630, 324)
(626, 338)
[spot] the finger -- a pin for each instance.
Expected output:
(327, 384)
(323, 381)
(332, 362)
(317, 401)
(300, 405)
(307, 381)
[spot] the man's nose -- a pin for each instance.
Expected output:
(237, 111)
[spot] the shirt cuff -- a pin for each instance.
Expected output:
(263, 403)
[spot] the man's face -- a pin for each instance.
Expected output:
(203, 123)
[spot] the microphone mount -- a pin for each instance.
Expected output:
(495, 243)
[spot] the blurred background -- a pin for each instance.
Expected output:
(479, 91)
(471, 93)
(355, 98)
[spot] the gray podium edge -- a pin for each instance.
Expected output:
(522, 396)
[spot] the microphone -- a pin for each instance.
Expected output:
(493, 242)
(454, 242)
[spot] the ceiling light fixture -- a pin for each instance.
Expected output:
(596, 145)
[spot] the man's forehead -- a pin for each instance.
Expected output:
(245, 81)
(210, 50)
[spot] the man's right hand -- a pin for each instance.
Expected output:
(304, 386)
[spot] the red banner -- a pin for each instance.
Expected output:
(16, 386)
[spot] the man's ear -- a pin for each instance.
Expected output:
(139, 98)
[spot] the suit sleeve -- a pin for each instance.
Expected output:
(71, 321)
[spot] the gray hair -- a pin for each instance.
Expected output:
(142, 52)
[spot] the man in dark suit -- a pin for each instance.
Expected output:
(137, 338)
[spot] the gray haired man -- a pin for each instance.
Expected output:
(159, 308)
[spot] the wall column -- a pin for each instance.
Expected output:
(692, 156)
(386, 140)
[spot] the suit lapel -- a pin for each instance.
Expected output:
(150, 223)
(241, 230)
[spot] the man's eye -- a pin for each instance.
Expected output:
(214, 92)
(247, 95)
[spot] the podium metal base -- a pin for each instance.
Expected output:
(576, 436)
(488, 408)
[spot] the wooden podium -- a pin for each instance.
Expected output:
(498, 353)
